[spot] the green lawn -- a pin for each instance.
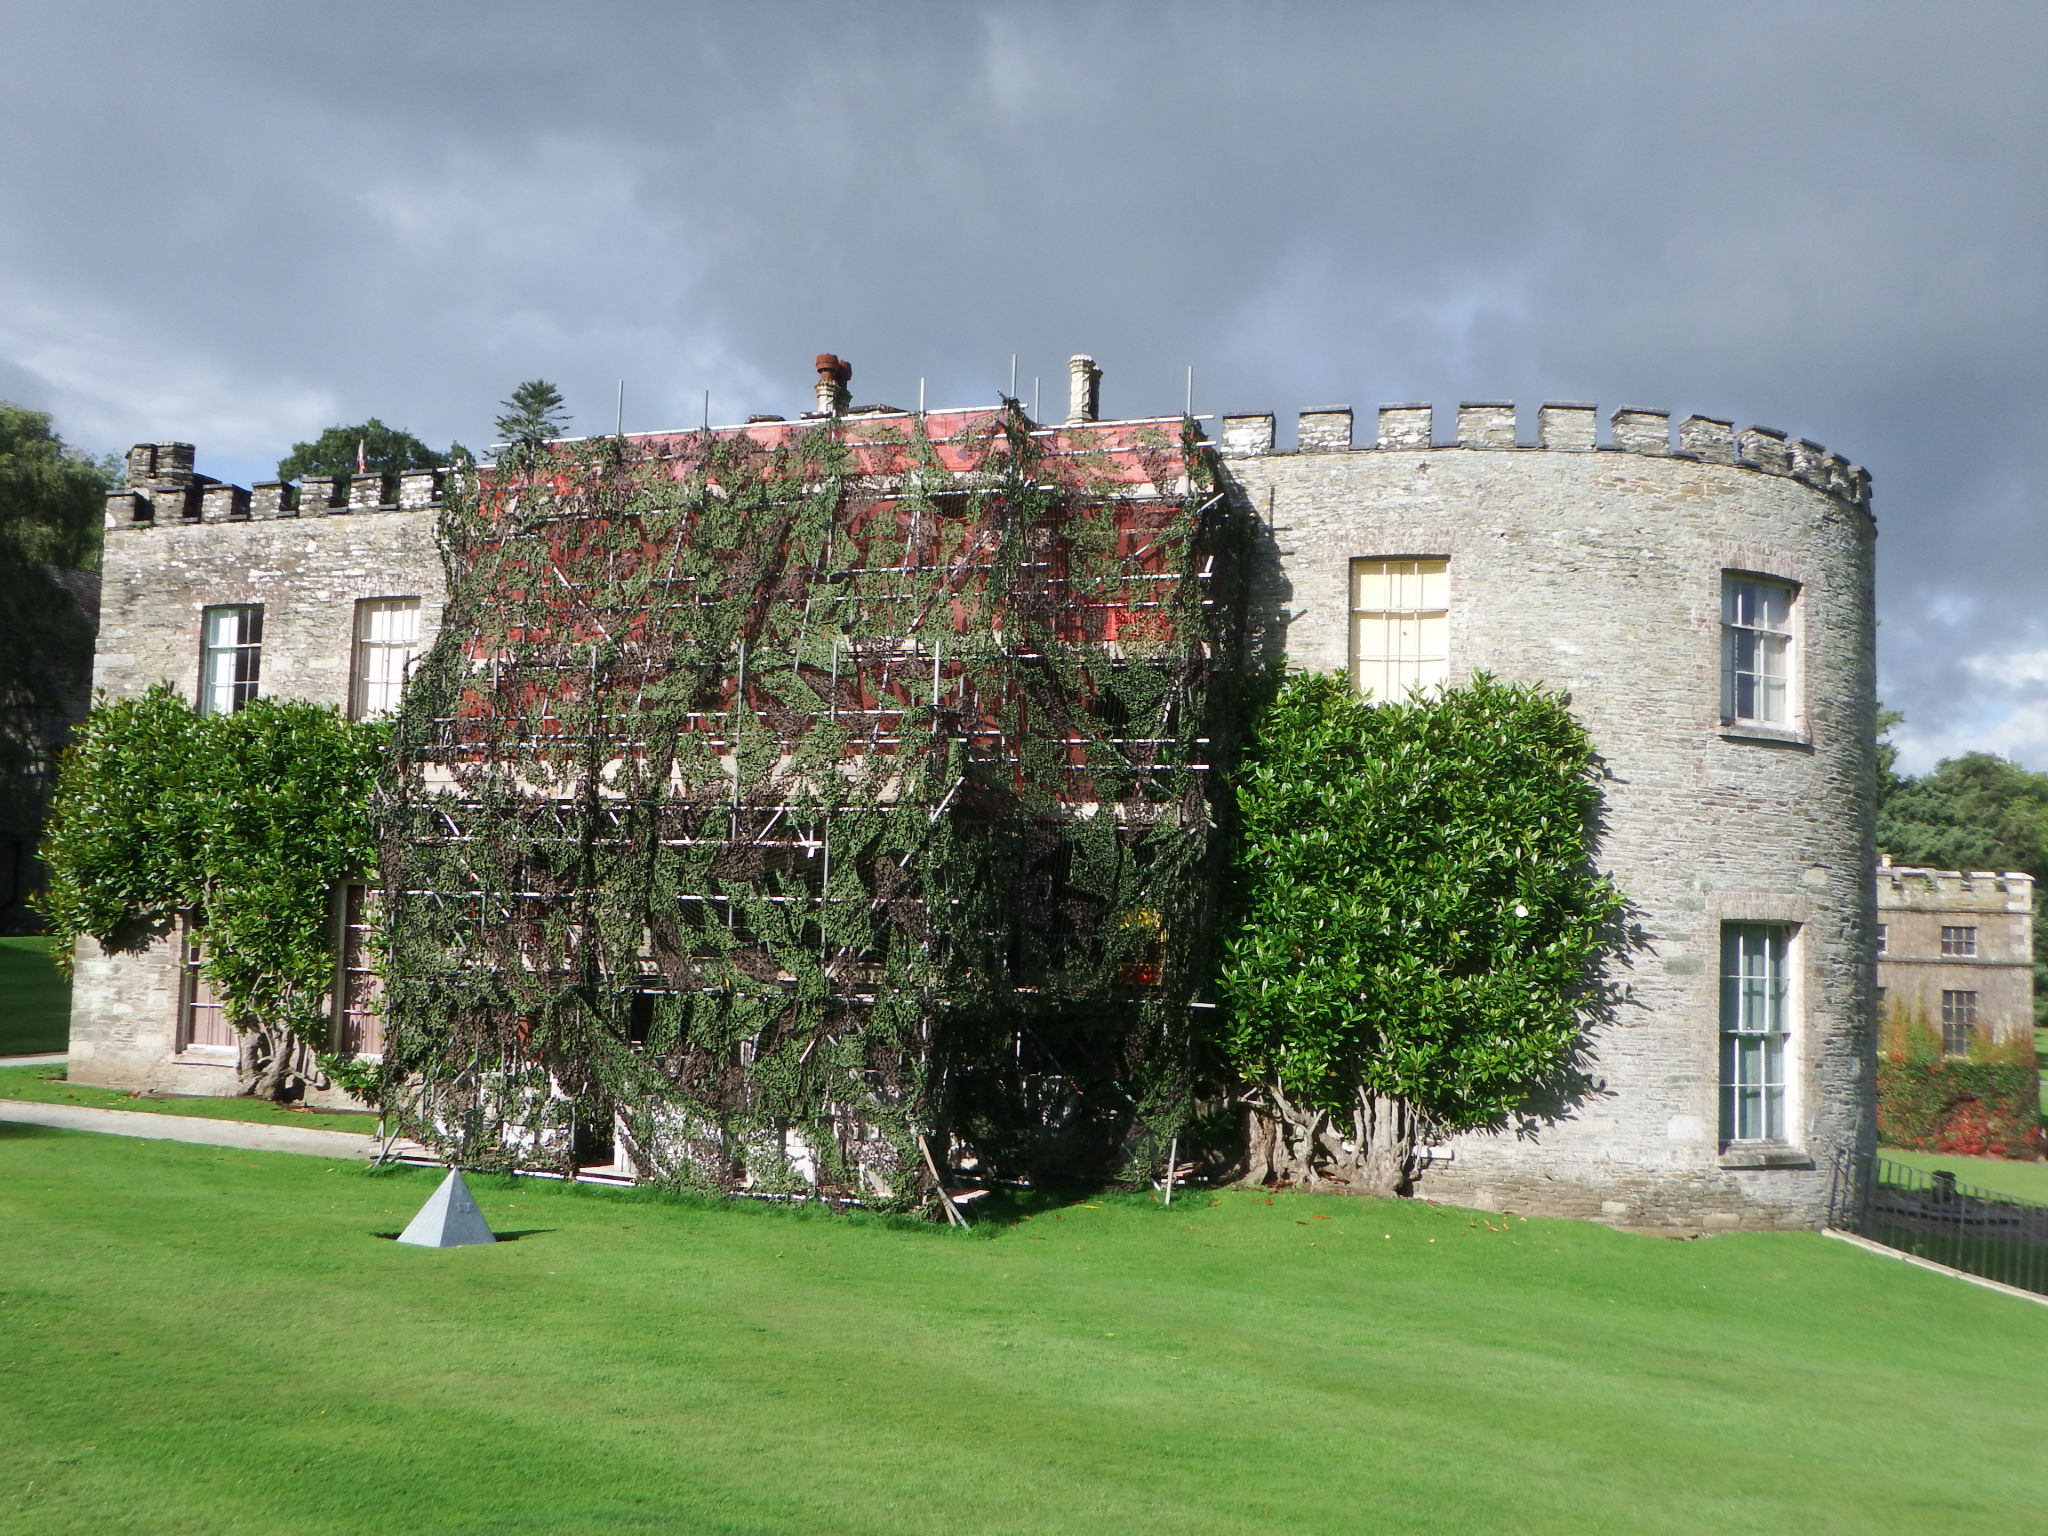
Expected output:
(35, 1002)
(201, 1342)
(2029, 1181)
(46, 1085)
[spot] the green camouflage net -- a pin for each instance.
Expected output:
(778, 806)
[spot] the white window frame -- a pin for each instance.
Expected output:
(230, 656)
(1400, 629)
(1958, 942)
(1958, 1020)
(1758, 1013)
(1759, 651)
(378, 663)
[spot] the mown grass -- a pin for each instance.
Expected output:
(195, 1340)
(46, 1085)
(35, 1002)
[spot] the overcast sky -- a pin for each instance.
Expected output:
(240, 223)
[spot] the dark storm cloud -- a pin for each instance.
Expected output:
(241, 222)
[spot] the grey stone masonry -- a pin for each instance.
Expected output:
(161, 571)
(273, 498)
(1084, 390)
(223, 504)
(1704, 437)
(1326, 429)
(1246, 435)
(317, 493)
(1567, 426)
(1765, 449)
(1600, 574)
(1968, 932)
(1641, 431)
(162, 464)
(419, 488)
(1405, 426)
(1809, 461)
(1486, 424)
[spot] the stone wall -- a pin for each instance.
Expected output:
(1916, 904)
(1598, 570)
(1595, 568)
(178, 543)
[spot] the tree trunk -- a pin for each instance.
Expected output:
(274, 1064)
(1288, 1143)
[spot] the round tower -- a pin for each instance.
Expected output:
(1705, 599)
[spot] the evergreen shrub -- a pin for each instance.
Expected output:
(241, 824)
(1417, 922)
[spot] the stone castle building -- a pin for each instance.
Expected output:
(1956, 947)
(1704, 598)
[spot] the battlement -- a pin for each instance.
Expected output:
(1562, 426)
(163, 489)
(1900, 885)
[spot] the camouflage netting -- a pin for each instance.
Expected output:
(774, 801)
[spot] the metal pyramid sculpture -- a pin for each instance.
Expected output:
(449, 1219)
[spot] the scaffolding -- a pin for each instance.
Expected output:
(806, 806)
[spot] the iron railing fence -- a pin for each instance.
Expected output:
(1933, 1215)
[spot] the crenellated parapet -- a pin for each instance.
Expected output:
(1901, 885)
(164, 489)
(1562, 426)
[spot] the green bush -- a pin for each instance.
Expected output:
(1416, 923)
(242, 822)
(1982, 1104)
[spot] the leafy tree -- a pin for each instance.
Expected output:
(51, 498)
(1977, 811)
(243, 821)
(1887, 754)
(51, 495)
(385, 451)
(1416, 922)
(533, 414)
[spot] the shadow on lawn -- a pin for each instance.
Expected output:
(12, 1128)
(503, 1237)
(999, 1211)
(1005, 1209)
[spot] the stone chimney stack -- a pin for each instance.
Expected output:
(834, 375)
(161, 484)
(1084, 389)
(168, 465)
